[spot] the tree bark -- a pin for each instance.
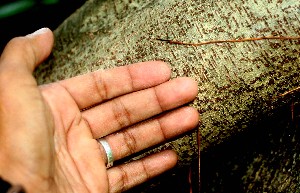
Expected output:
(245, 89)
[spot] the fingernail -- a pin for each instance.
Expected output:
(38, 32)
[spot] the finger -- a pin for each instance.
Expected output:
(152, 132)
(25, 53)
(135, 107)
(95, 87)
(126, 176)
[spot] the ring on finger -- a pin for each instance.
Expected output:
(108, 151)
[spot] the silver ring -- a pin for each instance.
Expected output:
(109, 155)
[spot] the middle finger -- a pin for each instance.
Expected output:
(129, 109)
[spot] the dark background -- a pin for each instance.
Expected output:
(26, 16)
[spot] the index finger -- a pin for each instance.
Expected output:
(95, 87)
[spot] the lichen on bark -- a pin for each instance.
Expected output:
(240, 84)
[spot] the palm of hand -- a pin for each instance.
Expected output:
(57, 129)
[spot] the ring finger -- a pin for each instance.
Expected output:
(152, 132)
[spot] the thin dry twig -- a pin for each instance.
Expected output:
(231, 40)
(290, 91)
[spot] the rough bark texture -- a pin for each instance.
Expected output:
(249, 136)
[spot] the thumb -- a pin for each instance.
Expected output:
(25, 122)
(25, 53)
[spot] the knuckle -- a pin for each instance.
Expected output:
(163, 134)
(122, 179)
(145, 172)
(130, 75)
(157, 98)
(100, 85)
(130, 142)
(121, 114)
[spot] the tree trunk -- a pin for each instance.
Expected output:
(248, 91)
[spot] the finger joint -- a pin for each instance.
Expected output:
(130, 141)
(100, 85)
(121, 113)
(158, 100)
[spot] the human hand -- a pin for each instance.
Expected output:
(48, 133)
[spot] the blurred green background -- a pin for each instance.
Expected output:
(21, 17)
